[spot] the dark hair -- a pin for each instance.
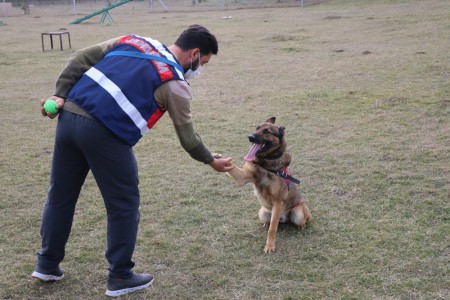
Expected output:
(197, 36)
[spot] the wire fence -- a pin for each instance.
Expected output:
(84, 6)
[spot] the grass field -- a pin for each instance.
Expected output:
(363, 88)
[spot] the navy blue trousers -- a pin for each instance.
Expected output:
(83, 144)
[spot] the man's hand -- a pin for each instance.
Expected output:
(59, 105)
(222, 164)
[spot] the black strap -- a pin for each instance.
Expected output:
(286, 176)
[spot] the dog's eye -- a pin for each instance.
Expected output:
(266, 131)
(258, 127)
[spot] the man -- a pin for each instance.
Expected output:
(109, 96)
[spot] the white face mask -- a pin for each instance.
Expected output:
(191, 74)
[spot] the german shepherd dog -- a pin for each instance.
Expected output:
(266, 167)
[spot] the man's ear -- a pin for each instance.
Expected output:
(196, 53)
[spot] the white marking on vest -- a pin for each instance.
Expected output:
(120, 98)
(164, 52)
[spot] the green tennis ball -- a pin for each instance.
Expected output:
(50, 107)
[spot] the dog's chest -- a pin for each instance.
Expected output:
(263, 198)
(269, 188)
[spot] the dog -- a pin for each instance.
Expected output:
(266, 166)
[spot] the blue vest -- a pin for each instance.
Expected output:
(119, 90)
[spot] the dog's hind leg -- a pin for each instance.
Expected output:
(300, 215)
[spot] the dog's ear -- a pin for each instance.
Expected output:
(281, 131)
(271, 120)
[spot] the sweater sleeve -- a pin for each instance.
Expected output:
(175, 97)
(81, 61)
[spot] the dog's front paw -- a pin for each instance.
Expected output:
(217, 155)
(269, 248)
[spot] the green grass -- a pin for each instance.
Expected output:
(363, 89)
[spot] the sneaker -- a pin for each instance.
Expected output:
(48, 275)
(118, 287)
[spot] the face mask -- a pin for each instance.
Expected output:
(191, 74)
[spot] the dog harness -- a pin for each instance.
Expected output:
(286, 175)
(119, 90)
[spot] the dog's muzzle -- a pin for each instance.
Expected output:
(252, 138)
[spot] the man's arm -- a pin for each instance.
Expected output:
(81, 61)
(175, 97)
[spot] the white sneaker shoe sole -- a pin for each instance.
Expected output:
(45, 277)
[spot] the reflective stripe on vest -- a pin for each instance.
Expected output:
(120, 98)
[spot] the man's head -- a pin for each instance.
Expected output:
(197, 36)
(194, 47)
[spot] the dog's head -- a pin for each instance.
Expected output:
(268, 141)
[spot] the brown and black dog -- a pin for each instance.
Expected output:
(266, 167)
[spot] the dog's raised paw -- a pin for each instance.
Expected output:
(217, 155)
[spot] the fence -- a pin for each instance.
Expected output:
(84, 6)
